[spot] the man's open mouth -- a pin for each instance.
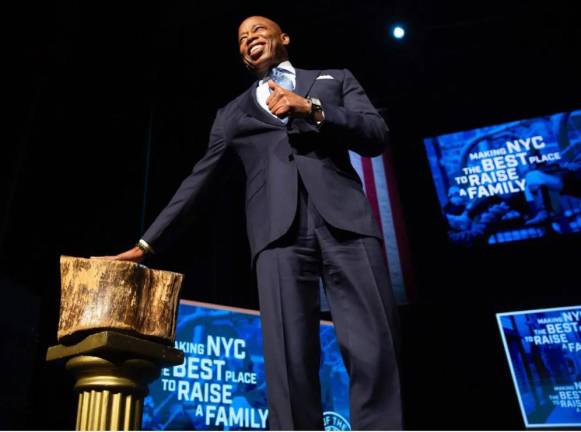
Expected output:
(256, 50)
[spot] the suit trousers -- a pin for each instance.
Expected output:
(363, 310)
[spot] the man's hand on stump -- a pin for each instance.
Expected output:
(134, 254)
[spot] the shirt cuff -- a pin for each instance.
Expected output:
(145, 247)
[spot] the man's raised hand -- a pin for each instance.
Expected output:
(283, 102)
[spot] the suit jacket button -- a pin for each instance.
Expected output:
(291, 157)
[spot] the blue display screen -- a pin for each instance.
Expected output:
(512, 181)
(543, 348)
(221, 384)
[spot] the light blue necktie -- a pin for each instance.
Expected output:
(283, 79)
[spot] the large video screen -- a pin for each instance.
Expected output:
(543, 348)
(221, 384)
(512, 181)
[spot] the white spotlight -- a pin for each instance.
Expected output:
(398, 32)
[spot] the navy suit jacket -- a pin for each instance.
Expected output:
(274, 154)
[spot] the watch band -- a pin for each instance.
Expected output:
(316, 106)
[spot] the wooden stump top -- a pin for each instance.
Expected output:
(99, 294)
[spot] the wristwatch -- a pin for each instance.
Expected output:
(316, 106)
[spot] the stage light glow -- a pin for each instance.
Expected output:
(398, 32)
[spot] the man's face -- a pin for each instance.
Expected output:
(262, 44)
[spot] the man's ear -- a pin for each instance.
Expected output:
(285, 39)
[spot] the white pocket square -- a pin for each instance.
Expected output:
(325, 77)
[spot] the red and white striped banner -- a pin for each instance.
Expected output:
(379, 185)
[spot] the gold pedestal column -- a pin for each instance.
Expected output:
(112, 371)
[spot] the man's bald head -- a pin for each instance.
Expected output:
(270, 22)
(262, 44)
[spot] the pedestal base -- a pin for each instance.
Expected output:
(112, 372)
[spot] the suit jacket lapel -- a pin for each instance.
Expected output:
(305, 80)
(250, 106)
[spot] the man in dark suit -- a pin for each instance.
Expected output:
(307, 217)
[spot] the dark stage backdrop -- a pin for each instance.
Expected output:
(113, 104)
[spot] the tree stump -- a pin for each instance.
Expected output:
(99, 294)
